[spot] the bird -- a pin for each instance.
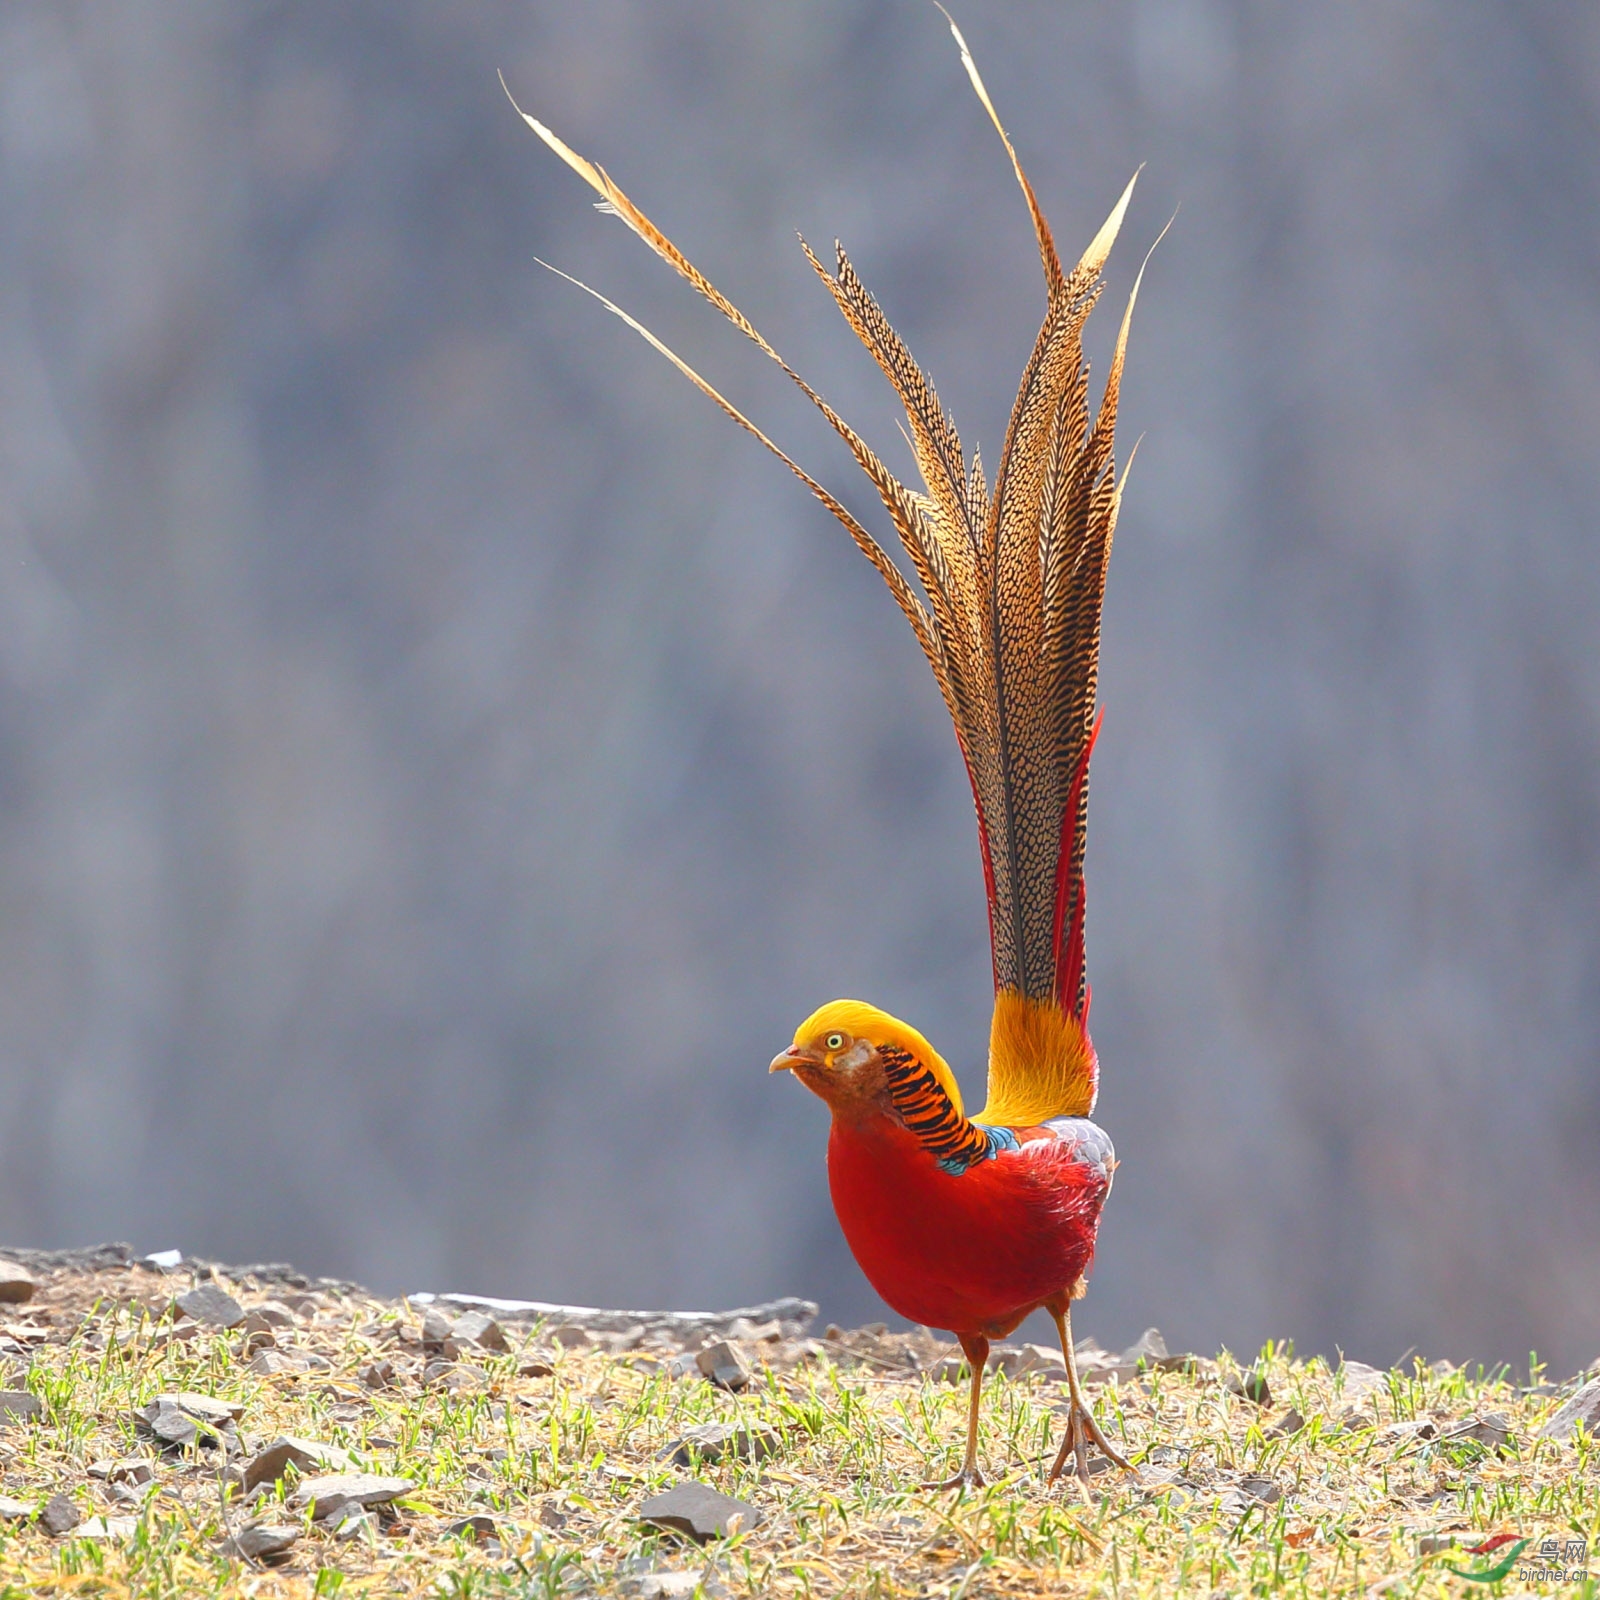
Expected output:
(972, 1223)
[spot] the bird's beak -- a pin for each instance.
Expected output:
(789, 1058)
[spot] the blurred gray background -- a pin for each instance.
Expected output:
(441, 759)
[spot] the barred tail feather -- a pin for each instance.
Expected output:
(1006, 602)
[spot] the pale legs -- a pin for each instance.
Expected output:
(1081, 1426)
(976, 1348)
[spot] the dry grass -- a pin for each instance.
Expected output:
(1352, 1502)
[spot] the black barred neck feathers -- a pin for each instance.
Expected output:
(921, 1103)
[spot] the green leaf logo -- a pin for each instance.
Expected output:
(1499, 1570)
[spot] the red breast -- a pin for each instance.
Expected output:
(974, 1251)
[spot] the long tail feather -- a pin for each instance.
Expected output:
(1011, 586)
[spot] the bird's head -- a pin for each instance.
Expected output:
(835, 1054)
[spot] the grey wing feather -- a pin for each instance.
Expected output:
(1090, 1143)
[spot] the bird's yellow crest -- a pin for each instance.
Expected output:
(861, 1021)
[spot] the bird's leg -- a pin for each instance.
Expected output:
(1081, 1426)
(976, 1348)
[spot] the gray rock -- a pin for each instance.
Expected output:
(1028, 1361)
(172, 1427)
(330, 1492)
(725, 1365)
(17, 1405)
(203, 1407)
(58, 1515)
(16, 1283)
(270, 1464)
(1583, 1407)
(268, 1543)
(14, 1510)
(666, 1585)
(186, 1418)
(273, 1363)
(1407, 1432)
(437, 1330)
(1167, 1482)
(354, 1523)
(107, 1528)
(1290, 1422)
(479, 1529)
(1263, 1489)
(717, 1441)
(1093, 1377)
(768, 1332)
(1097, 1366)
(181, 1332)
(1149, 1346)
(1251, 1386)
(274, 1313)
(1359, 1380)
(479, 1328)
(211, 1305)
(1186, 1362)
(792, 1316)
(1491, 1429)
(571, 1337)
(699, 1512)
(379, 1374)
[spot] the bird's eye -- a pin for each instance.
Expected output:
(834, 1041)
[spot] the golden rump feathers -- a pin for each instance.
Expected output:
(1009, 580)
(1041, 1063)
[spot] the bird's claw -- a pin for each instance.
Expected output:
(1081, 1429)
(966, 1478)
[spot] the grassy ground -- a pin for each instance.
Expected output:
(559, 1446)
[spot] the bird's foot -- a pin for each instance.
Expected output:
(1081, 1429)
(969, 1477)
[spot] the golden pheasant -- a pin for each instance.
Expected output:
(971, 1223)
